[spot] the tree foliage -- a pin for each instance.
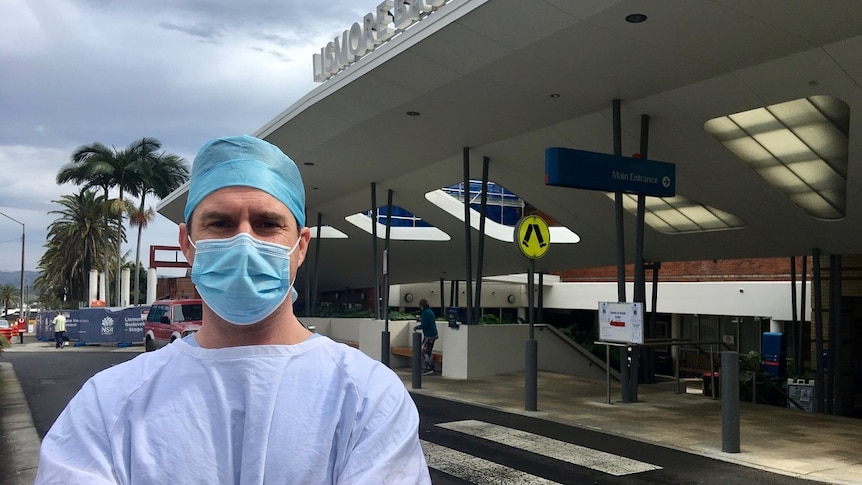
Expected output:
(76, 245)
(138, 170)
(9, 295)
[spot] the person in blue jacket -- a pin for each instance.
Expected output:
(428, 325)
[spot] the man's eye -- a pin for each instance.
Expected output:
(268, 226)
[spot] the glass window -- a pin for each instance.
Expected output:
(156, 313)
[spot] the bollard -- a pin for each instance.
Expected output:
(729, 379)
(417, 360)
(384, 348)
(625, 375)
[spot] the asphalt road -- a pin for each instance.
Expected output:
(50, 379)
(463, 443)
(597, 456)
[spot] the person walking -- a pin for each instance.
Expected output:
(253, 396)
(59, 322)
(428, 325)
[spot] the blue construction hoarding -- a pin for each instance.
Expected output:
(97, 325)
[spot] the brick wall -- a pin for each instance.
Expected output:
(751, 269)
(176, 289)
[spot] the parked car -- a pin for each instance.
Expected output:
(169, 320)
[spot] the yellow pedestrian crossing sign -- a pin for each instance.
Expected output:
(533, 236)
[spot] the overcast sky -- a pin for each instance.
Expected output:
(76, 72)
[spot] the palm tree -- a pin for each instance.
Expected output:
(9, 295)
(97, 165)
(158, 174)
(75, 242)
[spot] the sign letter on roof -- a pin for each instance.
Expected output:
(578, 169)
(363, 38)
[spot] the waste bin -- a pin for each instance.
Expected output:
(456, 316)
(707, 383)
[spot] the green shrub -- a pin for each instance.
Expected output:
(489, 319)
(395, 315)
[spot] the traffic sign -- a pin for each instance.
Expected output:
(533, 236)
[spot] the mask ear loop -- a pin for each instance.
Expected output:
(290, 288)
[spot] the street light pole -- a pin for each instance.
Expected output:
(21, 301)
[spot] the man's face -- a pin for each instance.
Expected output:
(233, 210)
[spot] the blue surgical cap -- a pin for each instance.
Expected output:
(249, 162)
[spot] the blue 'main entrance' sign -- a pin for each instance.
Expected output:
(567, 167)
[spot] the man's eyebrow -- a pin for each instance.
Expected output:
(271, 216)
(210, 215)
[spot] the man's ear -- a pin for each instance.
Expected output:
(304, 238)
(185, 244)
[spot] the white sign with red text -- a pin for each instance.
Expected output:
(621, 322)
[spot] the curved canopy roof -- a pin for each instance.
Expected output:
(508, 78)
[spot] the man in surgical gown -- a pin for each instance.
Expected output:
(253, 396)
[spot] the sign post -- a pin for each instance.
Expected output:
(579, 169)
(534, 240)
(620, 325)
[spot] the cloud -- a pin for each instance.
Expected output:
(201, 31)
(182, 71)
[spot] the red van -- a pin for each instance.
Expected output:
(169, 320)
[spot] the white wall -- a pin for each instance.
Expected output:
(756, 298)
(469, 351)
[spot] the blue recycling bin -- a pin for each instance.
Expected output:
(773, 350)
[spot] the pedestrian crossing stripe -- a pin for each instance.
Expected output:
(560, 450)
(474, 469)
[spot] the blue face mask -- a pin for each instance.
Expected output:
(243, 280)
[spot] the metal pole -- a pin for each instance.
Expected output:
(442, 300)
(676, 367)
(834, 403)
(640, 276)
(453, 294)
(375, 293)
(531, 287)
(316, 263)
(802, 318)
(618, 201)
(416, 361)
(21, 301)
(816, 284)
(729, 402)
(468, 260)
(621, 252)
(794, 318)
(531, 352)
(540, 298)
(307, 290)
(21, 306)
(656, 266)
(481, 251)
(712, 370)
(608, 371)
(384, 336)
